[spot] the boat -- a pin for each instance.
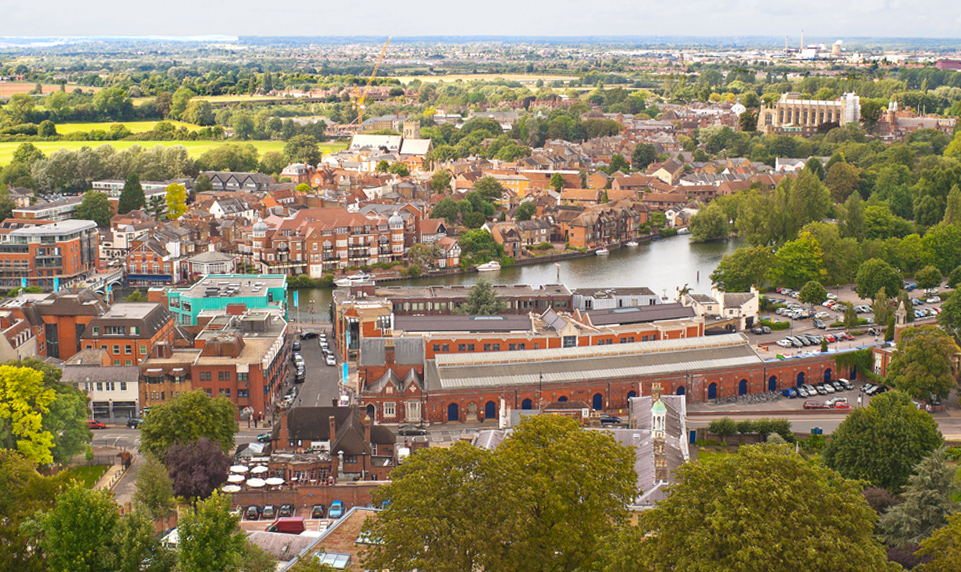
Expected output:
(684, 230)
(632, 243)
(353, 280)
(602, 252)
(489, 267)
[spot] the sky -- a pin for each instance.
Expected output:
(818, 18)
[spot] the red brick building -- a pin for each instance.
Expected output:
(47, 254)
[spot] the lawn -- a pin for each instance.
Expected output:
(87, 475)
(133, 126)
(195, 148)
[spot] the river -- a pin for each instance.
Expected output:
(661, 265)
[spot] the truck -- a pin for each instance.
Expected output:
(288, 525)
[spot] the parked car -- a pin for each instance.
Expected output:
(330, 360)
(834, 400)
(411, 431)
(832, 297)
(94, 424)
(336, 509)
(819, 324)
(909, 286)
(757, 330)
(766, 329)
(252, 512)
(295, 346)
(846, 337)
(269, 512)
(789, 392)
(610, 419)
(317, 511)
(837, 386)
(299, 361)
(309, 335)
(264, 438)
(810, 389)
(286, 510)
(879, 390)
(815, 405)
(934, 300)
(846, 384)
(841, 405)
(828, 387)
(874, 332)
(821, 389)
(802, 391)
(784, 343)
(134, 422)
(288, 525)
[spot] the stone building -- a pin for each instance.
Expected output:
(790, 114)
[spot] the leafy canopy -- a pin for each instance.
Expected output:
(186, 418)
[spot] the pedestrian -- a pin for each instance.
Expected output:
(248, 421)
(255, 422)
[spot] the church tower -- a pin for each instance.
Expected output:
(411, 129)
(658, 429)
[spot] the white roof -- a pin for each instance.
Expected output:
(415, 147)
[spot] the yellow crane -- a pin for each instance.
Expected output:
(359, 97)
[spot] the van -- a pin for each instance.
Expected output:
(288, 525)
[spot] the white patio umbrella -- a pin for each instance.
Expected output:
(235, 479)
(274, 481)
(256, 483)
(231, 489)
(259, 469)
(239, 469)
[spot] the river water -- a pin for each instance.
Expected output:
(661, 265)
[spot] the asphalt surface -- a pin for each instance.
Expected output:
(322, 385)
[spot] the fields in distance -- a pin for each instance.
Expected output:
(522, 78)
(133, 126)
(8, 88)
(195, 148)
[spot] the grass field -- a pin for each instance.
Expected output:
(195, 148)
(87, 475)
(8, 88)
(523, 78)
(133, 126)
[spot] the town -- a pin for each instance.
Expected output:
(411, 306)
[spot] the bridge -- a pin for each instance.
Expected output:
(99, 281)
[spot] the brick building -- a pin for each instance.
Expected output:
(58, 320)
(47, 254)
(129, 331)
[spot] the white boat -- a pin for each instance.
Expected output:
(684, 230)
(602, 252)
(489, 267)
(632, 243)
(352, 280)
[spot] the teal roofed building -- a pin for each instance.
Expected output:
(217, 291)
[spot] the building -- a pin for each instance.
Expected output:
(607, 298)
(113, 390)
(220, 291)
(47, 254)
(793, 115)
(18, 340)
(129, 331)
(148, 263)
(237, 181)
(55, 210)
(211, 262)
(58, 320)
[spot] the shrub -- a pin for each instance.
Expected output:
(880, 499)
(745, 426)
(723, 427)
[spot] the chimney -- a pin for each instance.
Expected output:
(333, 429)
(367, 424)
(283, 438)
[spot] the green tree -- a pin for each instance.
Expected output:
(199, 112)
(643, 155)
(874, 275)
(78, 535)
(440, 181)
(185, 419)
(399, 169)
(812, 293)
(481, 301)
(928, 502)
(203, 184)
(882, 307)
(66, 419)
(525, 211)
(928, 277)
(852, 222)
(719, 517)
(743, 268)
(209, 538)
(96, 207)
(842, 179)
(154, 490)
(156, 206)
(179, 102)
(710, 223)
(303, 149)
(557, 182)
(136, 296)
(132, 196)
(922, 365)
(799, 262)
(47, 129)
(489, 188)
(20, 108)
(850, 316)
(23, 402)
(479, 246)
(382, 166)
(881, 443)
(815, 166)
(944, 547)
(618, 163)
(176, 199)
(952, 212)
(272, 163)
(446, 209)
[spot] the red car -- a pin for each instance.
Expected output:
(815, 405)
(841, 405)
(94, 424)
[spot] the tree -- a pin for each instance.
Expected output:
(799, 262)
(852, 224)
(446, 209)
(489, 188)
(710, 223)
(922, 365)
(78, 535)
(203, 184)
(850, 316)
(952, 212)
(882, 307)
(883, 442)
(199, 112)
(874, 275)
(209, 538)
(944, 546)
(842, 179)
(440, 181)
(618, 163)
(743, 268)
(186, 418)
(479, 246)
(176, 200)
(540, 501)
(136, 296)
(815, 166)
(747, 120)
(197, 468)
(812, 293)
(643, 155)
(928, 501)
(47, 128)
(156, 206)
(23, 402)
(66, 418)
(399, 169)
(557, 182)
(154, 490)
(96, 207)
(179, 102)
(481, 301)
(928, 277)
(24, 493)
(525, 211)
(303, 149)
(132, 196)
(719, 517)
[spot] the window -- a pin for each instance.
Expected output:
(127, 362)
(570, 341)
(522, 346)
(242, 377)
(461, 347)
(389, 409)
(487, 347)
(96, 330)
(535, 345)
(143, 349)
(123, 386)
(116, 362)
(116, 350)
(446, 348)
(470, 347)
(99, 386)
(128, 349)
(205, 376)
(511, 347)
(242, 393)
(497, 347)
(113, 331)
(623, 340)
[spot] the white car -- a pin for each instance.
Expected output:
(785, 344)
(330, 360)
(933, 300)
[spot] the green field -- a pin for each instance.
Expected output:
(87, 475)
(195, 148)
(133, 126)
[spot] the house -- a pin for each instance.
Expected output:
(670, 171)
(447, 253)
(148, 264)
(534, 231)
(740, 306)
(211, 262)
(129, 331)
(113, 390)
(585, 197)
(507, 235)
(662, 201)
(237, 181)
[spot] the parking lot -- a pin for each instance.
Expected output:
(767, 343)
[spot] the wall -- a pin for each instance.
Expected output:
(352, 494)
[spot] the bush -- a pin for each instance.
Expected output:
(775, 326)
(954, 279)
(709, 443)
(776, 439)
(668, 232)
(745, 426)
(954, 454)
(880, 499)
(723, 427)
(326, 281)
(543, 246)
(813, 444)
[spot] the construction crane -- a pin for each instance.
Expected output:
(359, 97)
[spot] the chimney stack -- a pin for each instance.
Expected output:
(333, 429)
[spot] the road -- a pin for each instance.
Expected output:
(322, 385)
